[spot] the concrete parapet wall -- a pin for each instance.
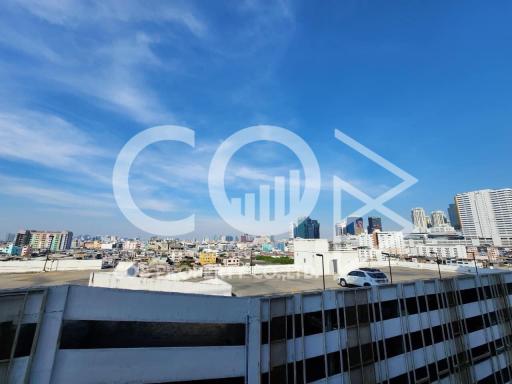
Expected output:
(23, 266)
(430, 266)
(113, 280)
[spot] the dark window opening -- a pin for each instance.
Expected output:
(315, 368)
(312, 323)
(92, 334)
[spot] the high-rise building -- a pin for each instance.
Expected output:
(307, 228)
(486, 215)
(44, 240)
(453, 214)
(438, 218)
(22, 238)
(341, 228)
(419, 220)
(355, 226)
(374, 223)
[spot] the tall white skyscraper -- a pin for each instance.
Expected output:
(486, 215)
(419, 220)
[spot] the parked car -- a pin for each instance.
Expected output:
(363, 277)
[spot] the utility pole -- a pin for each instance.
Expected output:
(474, 260)
(438, 262)
(389, 264)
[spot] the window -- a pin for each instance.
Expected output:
(432, 302)
(277, 328)
(315, 369)
(389, 309)
(411, 305)
(363, 314)
(333, 363)
(24, 342)
(313, 323)
(416, 340)
(331, 320)
(394, 346)
(350, 313)
(91, 334)
(474, 323)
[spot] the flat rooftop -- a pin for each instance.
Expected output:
(252, 285)
(244, 285)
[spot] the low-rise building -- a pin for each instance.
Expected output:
(11, 249)
(309, 254)
(231, 261)
(207, 258)
(390, 242)
(441, 251)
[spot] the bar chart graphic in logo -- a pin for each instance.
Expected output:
(243, 213)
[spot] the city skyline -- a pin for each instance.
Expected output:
(73, 96)
(437, 217)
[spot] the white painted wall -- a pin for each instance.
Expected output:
(335, 262)
(23, 266)
(114, 280)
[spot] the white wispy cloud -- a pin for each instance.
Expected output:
(50, 141)
(96, 49)
(54, 196)
(73, 13)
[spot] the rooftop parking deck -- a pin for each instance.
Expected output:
(244, 285)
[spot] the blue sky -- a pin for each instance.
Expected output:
(427, 85)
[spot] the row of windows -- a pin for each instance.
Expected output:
(499, 377)
(444, 368)
(415, 340)
(92, 334)
(362, 314)
(355, 357)
(316, 367)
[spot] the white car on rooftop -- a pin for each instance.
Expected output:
(363, 277)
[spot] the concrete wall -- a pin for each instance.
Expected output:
(429, 266)
(22, 266)
(258, 270)
(335, 262)
(53, 306)
(114, 280)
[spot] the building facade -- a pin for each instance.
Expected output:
(206, 258)
(440, 251)
(374, 223)
(448, 331)
(419, 220)
(307, 228)
(390, 242)
(453, 215)
(355, 226)
(44, 240)
(438, 218)
(486, 215)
